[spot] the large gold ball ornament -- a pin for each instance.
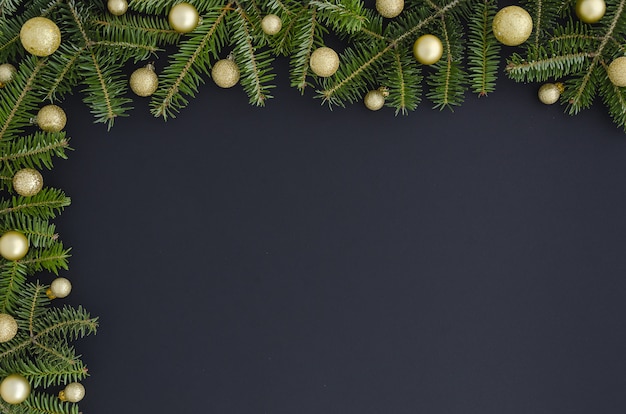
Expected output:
(512, 25)
(389, 8)
(271, 24)
(73, 392)
(27, 182)
(324, 61)
(8, 327)
(40, 36)
(590, 11)
(375, 100)
(117, 7)
(183, 17)
(617, 71)
(13, 245)
(549, 93)
(225, 73)
(7, 73)
(51, 118)
(144, 81)
(59, 288)
(14, 389)
(427, 49)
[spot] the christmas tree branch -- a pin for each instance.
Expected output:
(543, 69)
(12, 281)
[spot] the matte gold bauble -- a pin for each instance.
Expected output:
(144, 81)
(40, 36)
(7, 72)
(59, 288)
(73, 392)
(27, 182)
(271, 24)
(225, 73)
(13, 245)
(428, 49)
(389, 8)
(375, 100)
(117, 7)
(14, 389)
(617, 71)
(51, 118)
(512, 25)
(184, 17)
(590, 11)
(550, 93)
(8, 327)
(324, 61)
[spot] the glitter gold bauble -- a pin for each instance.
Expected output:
(59, 288)
(427, 49)
(590, 11)
(51, 118)
(8, 327)
(144, 81)
(40, 36)
(117, 7)
(13, 245)
(27, 182)
(73, 392)
(550, 93)
(512, 25)
(375, 100)
(324, 61)
(7, 72)
(184, 17)
(14, 389)
(271, 24)
(389, 8)
(617, 71)
(225, 73)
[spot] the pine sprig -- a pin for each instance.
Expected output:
(403, 79)
(36, 151)
(343, 16)
(308, 36)
(483, 50)
(46, 204)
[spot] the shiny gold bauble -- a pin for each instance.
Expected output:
(375, 100)
(271, 24)
(550, 93)
(184, 17)
(117, 7)
(59, 288)
(7, 72)
(617, 71)
(14, 389)
(13, 245)
(27, 182)
(512, 25)
(389, 8)
(225, 73)
(590, 11)
(8, 327)
(40, 36)
(324, 61)
(428, 49)
(73, 392)
(51, 118)
(144, 81)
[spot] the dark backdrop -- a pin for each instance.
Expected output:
(296, 260)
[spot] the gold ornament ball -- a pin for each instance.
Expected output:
(13, 245)
(324, 61)
(512, 25)
(617, 71)
(375, 100)
(225, 73)
(40, 36)
(550, 93)
(144, 81)
(27, 182)
(7, 72)
(51, 118)
(389, 8)
(117, 7)
(428, 49)
(14, 389)
(184, 17)
(271, 24)
(73, 392)
(8, 327)
(59, 288)
(590, 11)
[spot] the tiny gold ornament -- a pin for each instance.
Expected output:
(13, 245)
(40, 36)
(7, 73)
(14, 389)
(550, 93)
(73, 392)
(512, 25)
(144, 81)
(324, 61)
(27, 182)
(375, 100)
(184, 17)
(51, 118)
(428, 49)
(59, 288)
(617, 71)
(389, 8)
(271, 24)
(117, 7)
(225, 73)
(8, 327)
(590, 11)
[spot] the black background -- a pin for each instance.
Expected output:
(292, 259)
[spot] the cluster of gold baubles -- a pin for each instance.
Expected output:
(15, 389)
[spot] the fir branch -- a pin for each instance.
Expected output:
(519, 69)
(344, 16)
(46, 204)
(52, 259)
(483, 55)
(308, 37)
(33, 151)
(403, 80)
(40, 403)
(40, 233)
(12, 282)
